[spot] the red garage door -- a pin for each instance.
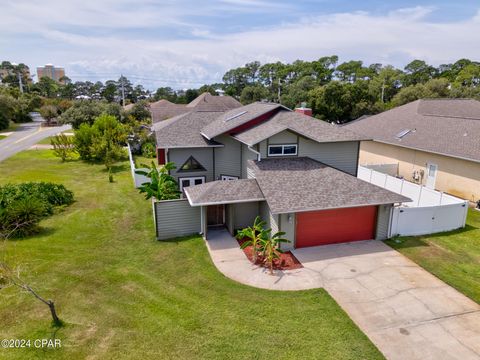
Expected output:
(335, 226)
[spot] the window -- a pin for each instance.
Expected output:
(228, 177)
(282, 150)
(191, 165)
(190, 181)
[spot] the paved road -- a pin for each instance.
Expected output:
(25, 136)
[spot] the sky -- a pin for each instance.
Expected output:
(187, 43)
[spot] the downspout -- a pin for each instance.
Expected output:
(259, 156)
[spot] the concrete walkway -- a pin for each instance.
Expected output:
(407, 312)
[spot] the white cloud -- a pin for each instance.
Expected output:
(396, 38)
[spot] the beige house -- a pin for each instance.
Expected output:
(433, 142)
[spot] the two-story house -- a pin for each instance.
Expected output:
(296, 172)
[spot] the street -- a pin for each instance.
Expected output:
(25, 136)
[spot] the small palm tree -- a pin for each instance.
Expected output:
(162, 185)
(252, 233)
(269, 246)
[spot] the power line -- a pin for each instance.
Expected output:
(140, 77)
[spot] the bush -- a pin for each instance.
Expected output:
(21, 217)
(63, 146)
(148, 150)
(22, 206)
(4, 122)
(51, 194)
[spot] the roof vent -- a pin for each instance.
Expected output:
(402, 133)
(235, 116)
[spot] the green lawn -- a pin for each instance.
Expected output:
(124, 295)
(2, 137)
(139, 160)
(453, 256)
(46, 141)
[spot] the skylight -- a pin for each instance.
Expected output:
(235, 116)
(402, 133)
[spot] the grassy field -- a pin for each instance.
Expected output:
(124, 295)
(2, 137)
(453, 256)
(46, 141)
(139, 160)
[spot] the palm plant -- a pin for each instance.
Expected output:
(269, 246)
(252, 234)
(162, 185)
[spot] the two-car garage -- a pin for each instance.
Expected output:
(335, 226)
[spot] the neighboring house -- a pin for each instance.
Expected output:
(164, 109)
(434, 142)
(296, 172)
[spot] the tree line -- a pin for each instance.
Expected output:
(343, 92)
(337, 92)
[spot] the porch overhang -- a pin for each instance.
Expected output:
(224, 192)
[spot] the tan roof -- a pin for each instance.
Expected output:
(301, 124)
(449, 127)
(224, 192)
(209, 102)
(303, 184)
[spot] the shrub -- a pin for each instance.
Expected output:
(63, 146)
(22, 206)
(51, 194)
(148, 150)
(4, 122)
(21, 217)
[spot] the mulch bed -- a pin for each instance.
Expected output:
(286, 261)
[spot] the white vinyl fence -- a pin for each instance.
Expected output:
(430, 211)
(138, 179)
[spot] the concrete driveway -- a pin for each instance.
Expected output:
(407, 312)
(25, 136)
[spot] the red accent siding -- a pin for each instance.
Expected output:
(335, 226)
(253, 122)
(161, 156)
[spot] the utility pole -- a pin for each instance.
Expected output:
(279, 91)
(123, 90)
(20, 84)
(383, 91)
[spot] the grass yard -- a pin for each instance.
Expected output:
(139, 160)
(2, 136)
(453, 256)
(124, 295)
(46, 141)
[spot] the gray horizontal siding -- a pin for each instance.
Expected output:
(228, 158)
(244, 214)
(383, 222)
(340, 155)
(174, 218)
(247, 155)
(203, 155)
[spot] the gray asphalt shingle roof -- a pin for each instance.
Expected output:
(446, 126)
(224, 192)
(164, 109)
(307, 126)
(236, 117)
(183, 130)
(303, 184)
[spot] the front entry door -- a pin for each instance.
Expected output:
(431, 175)
(215, 215)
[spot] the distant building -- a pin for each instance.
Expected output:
(52, 72)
